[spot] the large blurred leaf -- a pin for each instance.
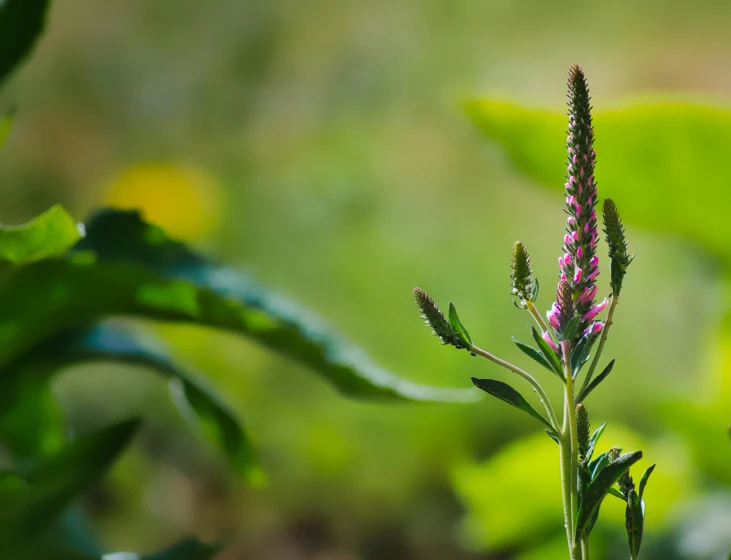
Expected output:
(654, 158)
(51, 234)
(188, 549)
(21, 22)
(32, 498)
(201, 404)
(140, 271)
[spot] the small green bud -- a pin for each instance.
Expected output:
(582, 429)
(521, 276)
(618, 246)
(436, 320)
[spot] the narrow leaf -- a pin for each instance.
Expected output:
(614, 492)
(594, 440)
(21, 22)
(644, 479)
(458, 327)
(548, 353)
(534, 353)
(600, 485)
(506, 393)
(595, 382)
(554, 436)
(580, 354)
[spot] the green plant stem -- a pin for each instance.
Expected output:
(602, 341)
(585, 547)
(537, 316)
(569, 451)
(553, 419)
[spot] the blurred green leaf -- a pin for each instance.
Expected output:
(164, 279)
(600, 485)
(50, 486)
(188, 549)
(51, 234)
(506, 393)
(594, 440)
(21, 23)
(650, 153)
(200, 404)
(458, 327)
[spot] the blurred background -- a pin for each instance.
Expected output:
(322, 146)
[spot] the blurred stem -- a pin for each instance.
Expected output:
(552, 418)
(602, 341)
(538, 318)
(569, 450)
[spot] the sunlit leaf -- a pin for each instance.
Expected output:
(21, 22)
(548, 353)
(51, 234)
(645, 151)
(535, 354)
(595, 382)
(458, 327)
(644, 479)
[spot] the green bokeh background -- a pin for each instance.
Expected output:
(346, 172)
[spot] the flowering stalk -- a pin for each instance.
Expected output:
(564, 341)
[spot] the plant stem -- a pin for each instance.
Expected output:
(569, 450)
(585, 547)
(537, 316)
(552, 418)
(602, 341)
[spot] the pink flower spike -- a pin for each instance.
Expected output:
(594, 262)
(586, 228)
(593, 275)
(579, 252)
(571, 220)
(571, 200)
(588, 294)
(577, 276)
(547, 337)
(567, 240)
(575, 236)
(589, 315)
(552, 316)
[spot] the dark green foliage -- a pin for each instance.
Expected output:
(21, 23)
(506, 393)
(34, 497)
(602, 480)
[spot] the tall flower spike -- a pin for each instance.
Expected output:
(579, 264)
(436, 320)
(582, 429)
(618, 246)
(521, 276)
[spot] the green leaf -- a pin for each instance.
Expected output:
(646, 150)
(50, 486)
(594, 440)
(580, 354)
(548, 353)
(21, 22)
(200, 404)
(596, 465)
(127, 267)
(644, 479)
(51, 234)
(600, 485)
(188, 549)
(506, 393)
(534, 353)
(635, 522)
(554, 436)
(617, 494)
(458, 327)
(595, 382)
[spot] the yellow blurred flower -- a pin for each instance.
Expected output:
(185, 201)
